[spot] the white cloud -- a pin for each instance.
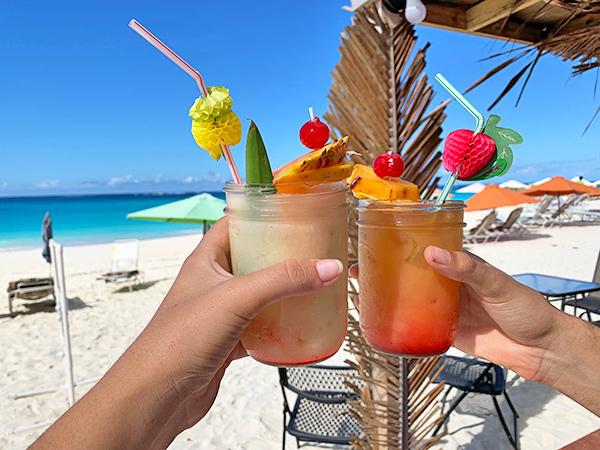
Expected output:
(213, 177)
(190, 180)
(4, 185)
(158, 179)
(115, 181)
(47, 184)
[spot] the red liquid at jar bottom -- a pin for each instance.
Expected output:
(411, 335)
(299, 330)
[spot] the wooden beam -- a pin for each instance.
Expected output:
(455, 19)
(445, 17)
(514, 31)
(488, 12)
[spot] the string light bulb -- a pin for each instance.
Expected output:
(415, 11)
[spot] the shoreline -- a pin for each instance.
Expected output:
(104, 241)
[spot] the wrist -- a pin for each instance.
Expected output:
(572, 362)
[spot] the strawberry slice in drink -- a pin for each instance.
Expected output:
(467, 153)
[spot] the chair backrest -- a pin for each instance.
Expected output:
(542, 207)
(512, 218)
(580, 198)
(124, 255)
(321, 383)
(564, 206)
(471, 374)
(485, 224)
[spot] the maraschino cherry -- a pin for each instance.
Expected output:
(314, 134)
(388, 164)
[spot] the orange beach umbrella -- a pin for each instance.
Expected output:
(493, 196)
(560, 186)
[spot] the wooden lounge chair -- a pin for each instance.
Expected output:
(563, 213)
(539, 216)
(511, 226)
(29, 289)
(483, 231)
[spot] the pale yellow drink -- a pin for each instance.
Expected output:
(268, 229)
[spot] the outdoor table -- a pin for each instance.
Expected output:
(556, 288)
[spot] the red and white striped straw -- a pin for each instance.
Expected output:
(138, 28)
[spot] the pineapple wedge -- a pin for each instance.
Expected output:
(365, 184)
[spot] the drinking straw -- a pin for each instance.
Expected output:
(478, 129)
(311, 112)
(463, 101)
(139, 29)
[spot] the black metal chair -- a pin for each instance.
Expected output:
(591, 302)
(321, 412)
(472, 375)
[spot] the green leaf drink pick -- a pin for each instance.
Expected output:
(258, 168)
(503, 157)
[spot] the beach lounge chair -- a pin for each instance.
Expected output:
(483, 231)
(590, 304)
(539, 216)
(321, 412)
(124, 262)
(563, 213)
(511, 226)
(29, 289)
(582, 212)
(475, 376)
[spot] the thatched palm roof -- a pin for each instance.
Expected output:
(568, 29)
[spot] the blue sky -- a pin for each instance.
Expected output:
(88, 106)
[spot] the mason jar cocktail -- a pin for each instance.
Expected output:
(268, 228)
(406, 307)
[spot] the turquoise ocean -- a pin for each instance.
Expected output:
(90, 219)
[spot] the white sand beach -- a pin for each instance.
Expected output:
(248, 411)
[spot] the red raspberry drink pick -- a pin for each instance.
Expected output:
(480, 154)
(479, 128)
(472, 151)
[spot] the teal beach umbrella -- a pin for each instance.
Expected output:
(202, 208)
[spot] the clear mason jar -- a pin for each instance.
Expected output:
(406, 307)
(267, 229)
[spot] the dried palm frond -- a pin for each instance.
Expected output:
(381, 99)
(397, 405)
(576, 39)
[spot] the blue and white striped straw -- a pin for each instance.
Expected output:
(478, 129)
(463, 101)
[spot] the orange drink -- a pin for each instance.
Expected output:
(406, 307)
(267, 228)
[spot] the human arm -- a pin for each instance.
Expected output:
(512, 325)
(505, 322)
(169, 377)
